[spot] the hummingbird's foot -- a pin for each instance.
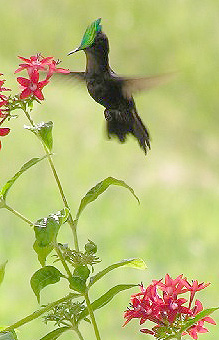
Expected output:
(111, 114)
(120, 124)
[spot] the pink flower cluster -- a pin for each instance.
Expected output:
(167, 310)
(32, 86)
(3, 108)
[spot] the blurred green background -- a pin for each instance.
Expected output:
(175, 228)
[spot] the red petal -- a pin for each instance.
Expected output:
(24, 59)
(203, 330)
(24, 81)
(19, 69)
(42, 83)
(0, 145)
(4, 131)
(34, 76)
(38, 94)
(209, 319)
(25, 93)
(47, 60)
(62, 70)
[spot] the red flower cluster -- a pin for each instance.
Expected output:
(3, 109)
(32, 86)
(167, 310)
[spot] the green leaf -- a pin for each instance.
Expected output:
(46, 231)
(106, 298)
(55, 334)
(134, 263)
(25, 167)
(43, 277)
(42, 252)
(2, 271)
(8, 336)
(98, 189)
(199, 316)
(77, 283)
(44, 130)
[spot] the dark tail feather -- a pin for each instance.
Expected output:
(120, 124)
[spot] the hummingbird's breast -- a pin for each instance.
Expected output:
(105, 91)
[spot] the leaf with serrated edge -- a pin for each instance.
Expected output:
(134, 263)
(2, 271)
(98, 189)
(10, 182)
(55, 334)
(43, 277)
(106, 298)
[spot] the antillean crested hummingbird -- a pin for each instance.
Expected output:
(110, 90)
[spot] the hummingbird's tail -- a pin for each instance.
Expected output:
(121, 123)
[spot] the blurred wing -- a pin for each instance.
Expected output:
(78, 76)
(133, 85)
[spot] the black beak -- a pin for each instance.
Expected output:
(76, 50)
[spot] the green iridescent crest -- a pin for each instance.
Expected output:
(90, 34)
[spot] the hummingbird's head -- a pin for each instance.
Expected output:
(93, 39)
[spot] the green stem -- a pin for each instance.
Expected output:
(93, 320)
(38, 313)
(58, 182)
(19, 215)
(78, 333)
(70, 219)
(59, 253)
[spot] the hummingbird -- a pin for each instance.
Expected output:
(112, 91)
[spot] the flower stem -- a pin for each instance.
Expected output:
(19, 215)
(58, 182)
(93, 320)
(70, 219)
(59, 253)
(78, 333)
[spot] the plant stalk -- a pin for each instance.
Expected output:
(58, 182)
(91, 313)
(78, 333)
(19, 215)
(59, 253)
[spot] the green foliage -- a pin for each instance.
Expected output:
(106, 298)
(46, 231)
(199, 316)
(181, 170)
(8, 336)
(82, 271)
(90, 247)
(77, 283)
(53, 335)
(134, 263)
(44, 130)
(2, 271)
(78, 258)
(79, 278)
(5, 189)
(43, 277)
(98, 189)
